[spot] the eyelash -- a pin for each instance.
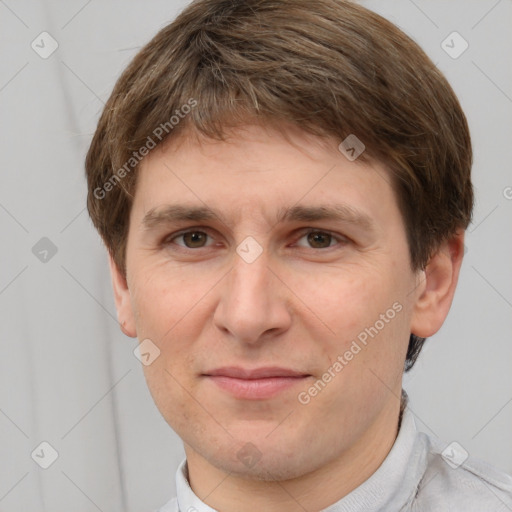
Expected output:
(168, 240)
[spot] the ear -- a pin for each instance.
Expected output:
(122, 299)
(437, 287)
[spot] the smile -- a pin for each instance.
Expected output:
(258, 384)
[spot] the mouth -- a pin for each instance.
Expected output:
(255, 384)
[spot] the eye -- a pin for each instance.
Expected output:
(320, 239)
(190, 239)
(312, 239)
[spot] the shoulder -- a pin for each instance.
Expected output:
(455, 481)
(170, 506)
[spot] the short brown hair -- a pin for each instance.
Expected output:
(330, 67)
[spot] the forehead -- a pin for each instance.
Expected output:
(260, 170)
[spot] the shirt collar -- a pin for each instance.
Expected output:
(391, 487)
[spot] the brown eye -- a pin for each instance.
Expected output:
(194, 239)
(319, 240)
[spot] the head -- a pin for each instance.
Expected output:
(227, 125)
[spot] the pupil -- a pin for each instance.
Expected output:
(322, 239)
(195, 239)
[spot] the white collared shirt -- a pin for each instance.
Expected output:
(420, 474)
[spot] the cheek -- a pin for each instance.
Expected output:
(163, 298)
(172, 394)
(366, 316)
(343, 299)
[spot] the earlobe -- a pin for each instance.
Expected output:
(435, 295)
(122, 300)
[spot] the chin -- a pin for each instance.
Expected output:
(267, 469)
(267, 458)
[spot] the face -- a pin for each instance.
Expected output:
(272, 274)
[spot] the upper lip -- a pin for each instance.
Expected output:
(237, 372)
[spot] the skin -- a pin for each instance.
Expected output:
(299, 305)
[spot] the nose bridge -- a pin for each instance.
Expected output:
(249, 283)
(250, 303)
(250, 272)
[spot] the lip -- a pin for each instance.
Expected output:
(257, 383)
(237, 372)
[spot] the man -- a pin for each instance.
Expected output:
(283, 187)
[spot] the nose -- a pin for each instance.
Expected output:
(254, 303)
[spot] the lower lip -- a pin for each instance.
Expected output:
(256, 389)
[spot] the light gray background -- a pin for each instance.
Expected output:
(68, 376)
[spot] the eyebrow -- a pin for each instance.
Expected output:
(339, 212)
